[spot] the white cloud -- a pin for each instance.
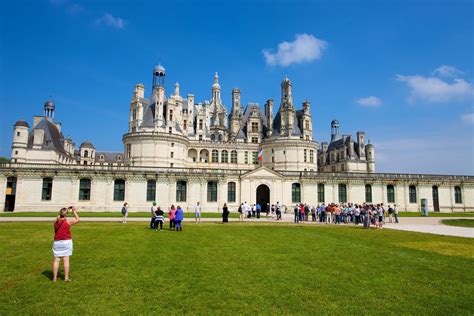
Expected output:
(113, 21)
(468, 118)
(447, 71)
(304, 48)
(433, 89)
(370, 101)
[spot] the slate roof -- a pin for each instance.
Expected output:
(53, 138)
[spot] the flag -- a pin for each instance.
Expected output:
(260, 153)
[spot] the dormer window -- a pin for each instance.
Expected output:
(101, 157)
(119, 158)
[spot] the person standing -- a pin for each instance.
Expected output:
(160, 219)
(197, 213)
(178, 219)
(258, 209)
(278, 211)
(395, 213)
(153, 215)
(390, 213)
(124, 213)
(241, 212)
(62, 244)
(296, 210)
(225, 213)
(254, 210)
(172, 214)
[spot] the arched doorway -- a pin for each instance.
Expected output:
(435, 198)
(263, 196)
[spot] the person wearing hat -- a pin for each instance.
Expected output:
(153, 215)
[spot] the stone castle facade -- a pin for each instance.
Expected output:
(177, 150)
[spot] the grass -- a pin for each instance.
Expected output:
(237, 268)
(437, 214)
(459, 222)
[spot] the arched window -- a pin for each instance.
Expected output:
(231, 192)
(46, 193)
(457, 195)
(224, 156)
(151, 190)
(213, 137)
(119, 190)
(368, 193)
(215, 156)
(86, 153)
(296, 193)
(84, 189)
(390, 193)
(412, 194)
(321, 192)
(233, 156)
(212, 191)
(342, 193)
(181, 189)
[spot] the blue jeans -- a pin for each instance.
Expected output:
(396, 218)
(179, 225)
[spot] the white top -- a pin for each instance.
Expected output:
(197, 209)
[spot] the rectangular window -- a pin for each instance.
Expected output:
(233, 156)
(368, 193)
(390, 194)
(47, 191)
(320, 192)
(119, 190)
(311, 156)
(254, 140)
(231, 192)
(200, 138)
(181, 191)
(246, 157)
(412, 194)
(254, 127)
(151, 190)
(172, 154)
(255, 157)
(185, 125)
(457, 195)
(84, 189)
(129, 150)
(215, 156)
(296, 193)
(212, 191)
(304, 155)
(200, 124)
(342, 193)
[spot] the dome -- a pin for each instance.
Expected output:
(22, 123)
(334, 122)
(87, 144)
(159, 71)
(49, 104)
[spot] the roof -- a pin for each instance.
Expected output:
(53, 138)
(22, 123)
(87, 144)
(109, 156)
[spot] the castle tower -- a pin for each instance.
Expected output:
(158, 96)
(216, 90)
(20, 141)
(287, 112)
(136, 107)
(335, 130)
(370, 153)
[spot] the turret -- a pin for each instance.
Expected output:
(306, 121)
(136, 107)
(176, 89)
(20, 141)
(370, 153)
(158, 96)
(216, 90)
(49, 108)
(287, 112)
(286, 94)
(87, 153)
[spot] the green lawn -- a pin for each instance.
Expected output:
(438, 214)
(459, 222)
(237, 268)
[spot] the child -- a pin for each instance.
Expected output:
(172, 214)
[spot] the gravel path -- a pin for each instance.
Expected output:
(430, 225)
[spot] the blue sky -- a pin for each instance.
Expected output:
(402, 71)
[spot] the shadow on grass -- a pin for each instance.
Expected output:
(49, 274)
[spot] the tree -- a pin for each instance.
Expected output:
(4, 159)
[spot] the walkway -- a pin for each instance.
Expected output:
(430, 225)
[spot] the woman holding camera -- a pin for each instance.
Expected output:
(62, 245)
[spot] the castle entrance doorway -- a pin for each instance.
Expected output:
(263, 196)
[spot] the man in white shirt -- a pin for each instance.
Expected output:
(197, 213)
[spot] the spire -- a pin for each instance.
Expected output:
(216, 81)
(176, 89)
